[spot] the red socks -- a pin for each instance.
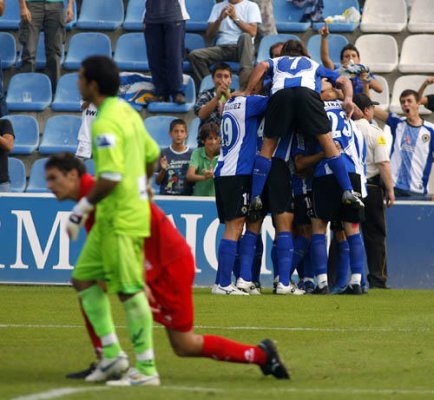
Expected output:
(220, 348)
(96, 341)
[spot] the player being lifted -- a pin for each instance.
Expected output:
(295, 106)
(169, 264)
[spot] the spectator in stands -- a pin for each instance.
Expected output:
(427, 101)
(234, 22)
(6, 145)
(203, 161)
(276, 49)
(165, 36)
(51, 17)
(313, 10)
(210, 102)
(2, 7)
(359, 74)
(412, 149)
(3, 106)
(379, 177)
(88, 114)
(174, 162)
(268, 25)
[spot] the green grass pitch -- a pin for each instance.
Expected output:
(378, 346)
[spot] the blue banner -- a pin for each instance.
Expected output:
(34, 247)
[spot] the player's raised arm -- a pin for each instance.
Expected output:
(345, 85)
(256, 76)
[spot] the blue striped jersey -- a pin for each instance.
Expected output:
(300, 145)
(412, 154)
(241, 118)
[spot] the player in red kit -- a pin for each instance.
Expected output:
(169, 264)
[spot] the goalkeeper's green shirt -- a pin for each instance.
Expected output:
(121, 149)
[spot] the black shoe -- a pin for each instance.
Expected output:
(354, 289)
(324, 290)
(179, 98)
(255, 209)
(82, 374)
(273, 366)
(352, 199)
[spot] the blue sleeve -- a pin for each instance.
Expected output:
(393, 120)
(255, 105)
(324, 72)
(271, 66)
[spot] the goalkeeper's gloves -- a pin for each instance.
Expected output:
(78, 217)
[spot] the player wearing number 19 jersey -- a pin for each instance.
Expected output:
(240, 122)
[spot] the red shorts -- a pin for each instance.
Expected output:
(172, 288)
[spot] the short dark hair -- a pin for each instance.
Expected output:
(104, 72)
(349, 46)
(66, 162)
(175, 122)
(221, 66)
(207, 129)
(274, 46)
(409, 92)
(294, 48)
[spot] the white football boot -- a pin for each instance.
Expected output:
(229, 290)
(290, 289)
(109, 368)
(135, 378)
(248, 287)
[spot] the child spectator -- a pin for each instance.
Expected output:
(174, 162)
(203, 161)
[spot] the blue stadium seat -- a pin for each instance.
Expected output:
(37, 181)
(131, 53)
(101, 14)
(337, 7)
(41, 59)
(11, 18)
(29, 91)
(199, 11)
(193, 131)
(158, 128)
(71, 24)
(26, 131)
(8, 50)
(268, 41)
(90, 166)
(60, 134)
(207, 83)
(336, 43)
(17, 175)
(154, 185)
(193, 41)
(190, 96)
(67, 97)
(85, 44)
(134, 16)
(288, 16)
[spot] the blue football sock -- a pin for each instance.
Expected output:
(319, 253)
(257, 262)
(261, 169)
(284, 252)
(337, 165)
(308, 265)
(274, 259)
(237, 269)
(356, 253)
(247, 254)
(342, 264)
(300, 246)
(226, 258)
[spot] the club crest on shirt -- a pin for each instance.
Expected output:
(106, 140)
(425, 138)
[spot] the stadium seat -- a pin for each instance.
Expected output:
(409, 82)
(131, 53)
(154, 185)
(207, 83)
(17, 175)
(337, 7)
(10, 20)
(193, 41)
(415, 54)
(134, 17)
(90, 166)
(384, 97)
(29, 91)
(8, 50)
(60, 134)
(336, 43)
(384, 16)
(199, 11)
(268, 41)
(158, 128)
(86, 44)
(71, 24)
(26, 131)
(190, 97)
(41, 59)
(101, 14)
(37, 181)
(193, 131)
(379, 52)
(287, 17)
(67, 97)
(421, 16)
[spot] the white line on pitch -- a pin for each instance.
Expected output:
(56, 393)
